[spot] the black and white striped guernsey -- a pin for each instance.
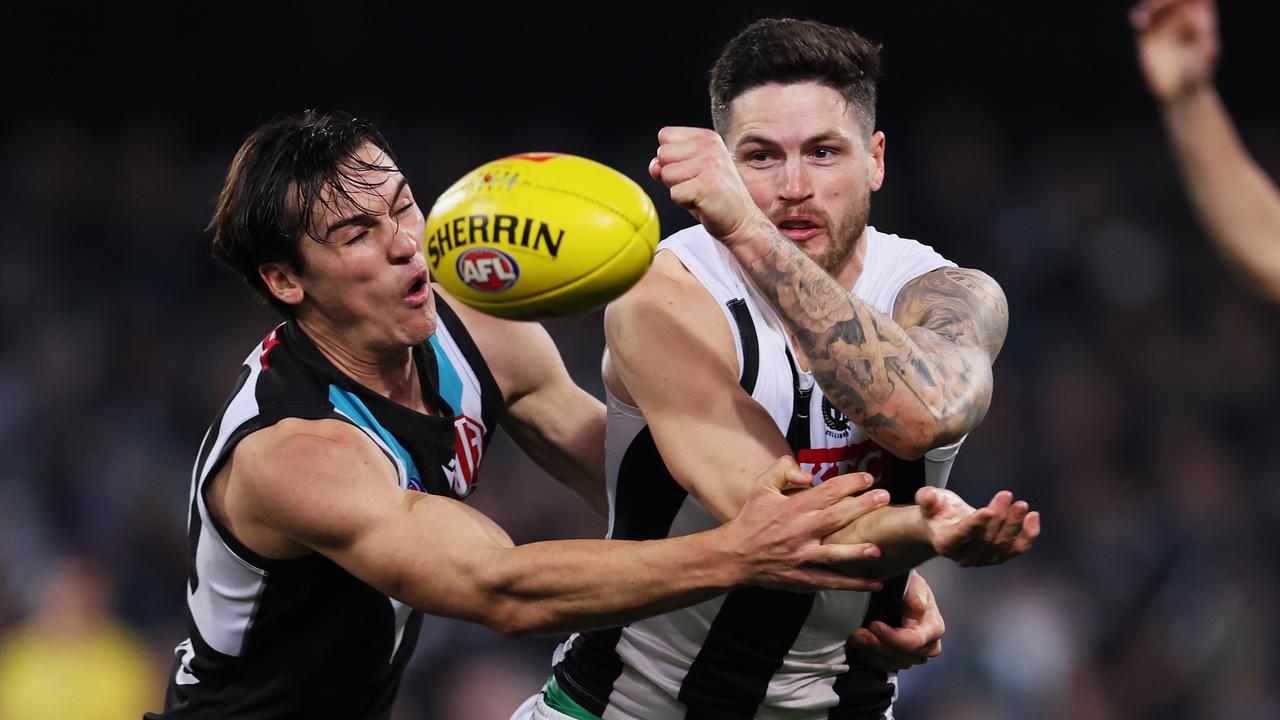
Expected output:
(303, 638)
(751, 653)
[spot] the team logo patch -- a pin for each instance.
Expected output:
(834, 419)
(468, 436)
(487, 269)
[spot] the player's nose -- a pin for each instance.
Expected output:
(795, 182)
(404, 244)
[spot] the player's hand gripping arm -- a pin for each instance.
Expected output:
(913, 382)
(914, 642)
(442, 557)
(714, 438)
(1238, 204)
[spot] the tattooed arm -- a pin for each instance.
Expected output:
(913, 382)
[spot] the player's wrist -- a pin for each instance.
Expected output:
(723, 561)
(1186, 94)
(752, 241)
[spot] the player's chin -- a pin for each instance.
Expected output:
(421, 324)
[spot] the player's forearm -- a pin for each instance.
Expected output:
(901, 534)
(1238, 204)
(867, 365)
(578, 585)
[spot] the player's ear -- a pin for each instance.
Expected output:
(282, 282)
(875, 160)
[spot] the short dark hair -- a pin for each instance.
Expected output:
(279, 174)
(784, 50)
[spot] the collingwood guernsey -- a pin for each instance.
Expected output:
(752, 653)
(302, 637)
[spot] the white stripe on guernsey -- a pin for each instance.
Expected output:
(229, 586)
(222, 605)
(656, 655)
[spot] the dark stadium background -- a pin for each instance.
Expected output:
(1135, 400)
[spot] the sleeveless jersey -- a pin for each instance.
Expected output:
(752, 653)
(302, 637)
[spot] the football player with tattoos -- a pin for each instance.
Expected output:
(783, 323)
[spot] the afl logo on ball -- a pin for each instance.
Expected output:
(487, 269)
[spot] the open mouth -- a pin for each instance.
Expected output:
(801, 228)
(417, 286)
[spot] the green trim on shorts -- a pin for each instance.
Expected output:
(560, 701)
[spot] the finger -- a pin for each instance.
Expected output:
(849, 554)
(1030, 531)
(783, 472)
(677, 133)
(1012, 526)
(842, 486)
(832, 491)
(848, 509)
(999, 507)
(655, 169)
(821, 579)
(1144, 14)
(1020, 543)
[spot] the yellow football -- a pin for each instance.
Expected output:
(540, 235)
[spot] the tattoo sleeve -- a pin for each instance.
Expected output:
(912, 382)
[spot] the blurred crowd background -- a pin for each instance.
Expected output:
(1135, 401)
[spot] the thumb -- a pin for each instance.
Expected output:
(930, 501)
(784, 474)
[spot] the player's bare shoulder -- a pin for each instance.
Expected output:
(278, 491)
(668, 319)
(961, 305)
(668, 295)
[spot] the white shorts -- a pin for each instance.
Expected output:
(535, 708)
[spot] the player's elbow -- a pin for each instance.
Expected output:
(911, 440)
(513, 619)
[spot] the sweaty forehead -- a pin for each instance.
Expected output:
(364, 183)
(789, 112)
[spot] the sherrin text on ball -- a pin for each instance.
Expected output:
(540, 235)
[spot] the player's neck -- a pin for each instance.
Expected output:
(386, 370)
(848, 272)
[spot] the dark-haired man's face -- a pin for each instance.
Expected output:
(367, 280)
(809, 166)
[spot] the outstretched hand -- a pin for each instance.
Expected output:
(991, 535)
(1178, 45)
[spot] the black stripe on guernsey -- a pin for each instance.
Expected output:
(647, 500)
(750, 343)
(798, 429)
(865, 692)
(745, 646)
(755, 628)
(491, 404)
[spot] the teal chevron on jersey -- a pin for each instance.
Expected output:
(450, 383)
(353, 407)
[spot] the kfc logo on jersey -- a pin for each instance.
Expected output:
(468, 447)
(487, 269)
(826, 463)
